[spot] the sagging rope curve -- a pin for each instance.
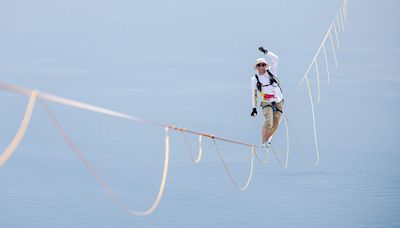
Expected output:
(200, 150)
(245, 186)
(22, 129)
(43, 97)
(338, 23)
(100, 180)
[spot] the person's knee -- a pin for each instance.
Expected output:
(267, 130)
(267, 126)
(268, 123)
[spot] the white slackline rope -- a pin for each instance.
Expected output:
(277, 158)
(245, 186)
(318, 86)
(340, 20)
(301, 147)
(313, 120)
(287, 143)
(100, 180)
(72, 103)
(283, 117)
(33, 94)
(200, 151)
(333, 50)
(336, 36)
(262, 161)
(21, 131)
(326, 63)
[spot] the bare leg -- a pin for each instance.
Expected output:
(266, 130)
(266, 134)
(277, 118)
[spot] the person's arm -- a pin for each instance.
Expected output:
(254, 101)
(274, 62)
(254, 96)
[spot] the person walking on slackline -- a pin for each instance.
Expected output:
(265, 83)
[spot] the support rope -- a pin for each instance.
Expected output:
(296, 137)
(340, 21)
(262, 161)
(245, 186)
(21, 131)
(200, 151)
(318, 86)
(313, 120)
(104, 185)
(326, 63)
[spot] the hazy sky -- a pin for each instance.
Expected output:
(48, 38)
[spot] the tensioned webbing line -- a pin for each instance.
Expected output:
(34, 95)
(93, 108)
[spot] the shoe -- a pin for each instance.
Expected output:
(266, 145)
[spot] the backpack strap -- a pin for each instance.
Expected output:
(259, 85)
(273, 79)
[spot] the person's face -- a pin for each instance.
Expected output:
(261, 67)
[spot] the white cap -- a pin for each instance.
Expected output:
(260, 60)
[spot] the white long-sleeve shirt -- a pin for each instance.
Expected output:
(269, 93)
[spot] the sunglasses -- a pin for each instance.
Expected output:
(261, 65)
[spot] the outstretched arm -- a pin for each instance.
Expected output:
(274, 59)
(274, 62)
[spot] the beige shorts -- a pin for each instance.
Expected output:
(271, 116)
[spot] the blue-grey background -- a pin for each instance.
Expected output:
(189, 63)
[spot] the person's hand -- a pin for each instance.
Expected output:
(254, 112)
(263, 50)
